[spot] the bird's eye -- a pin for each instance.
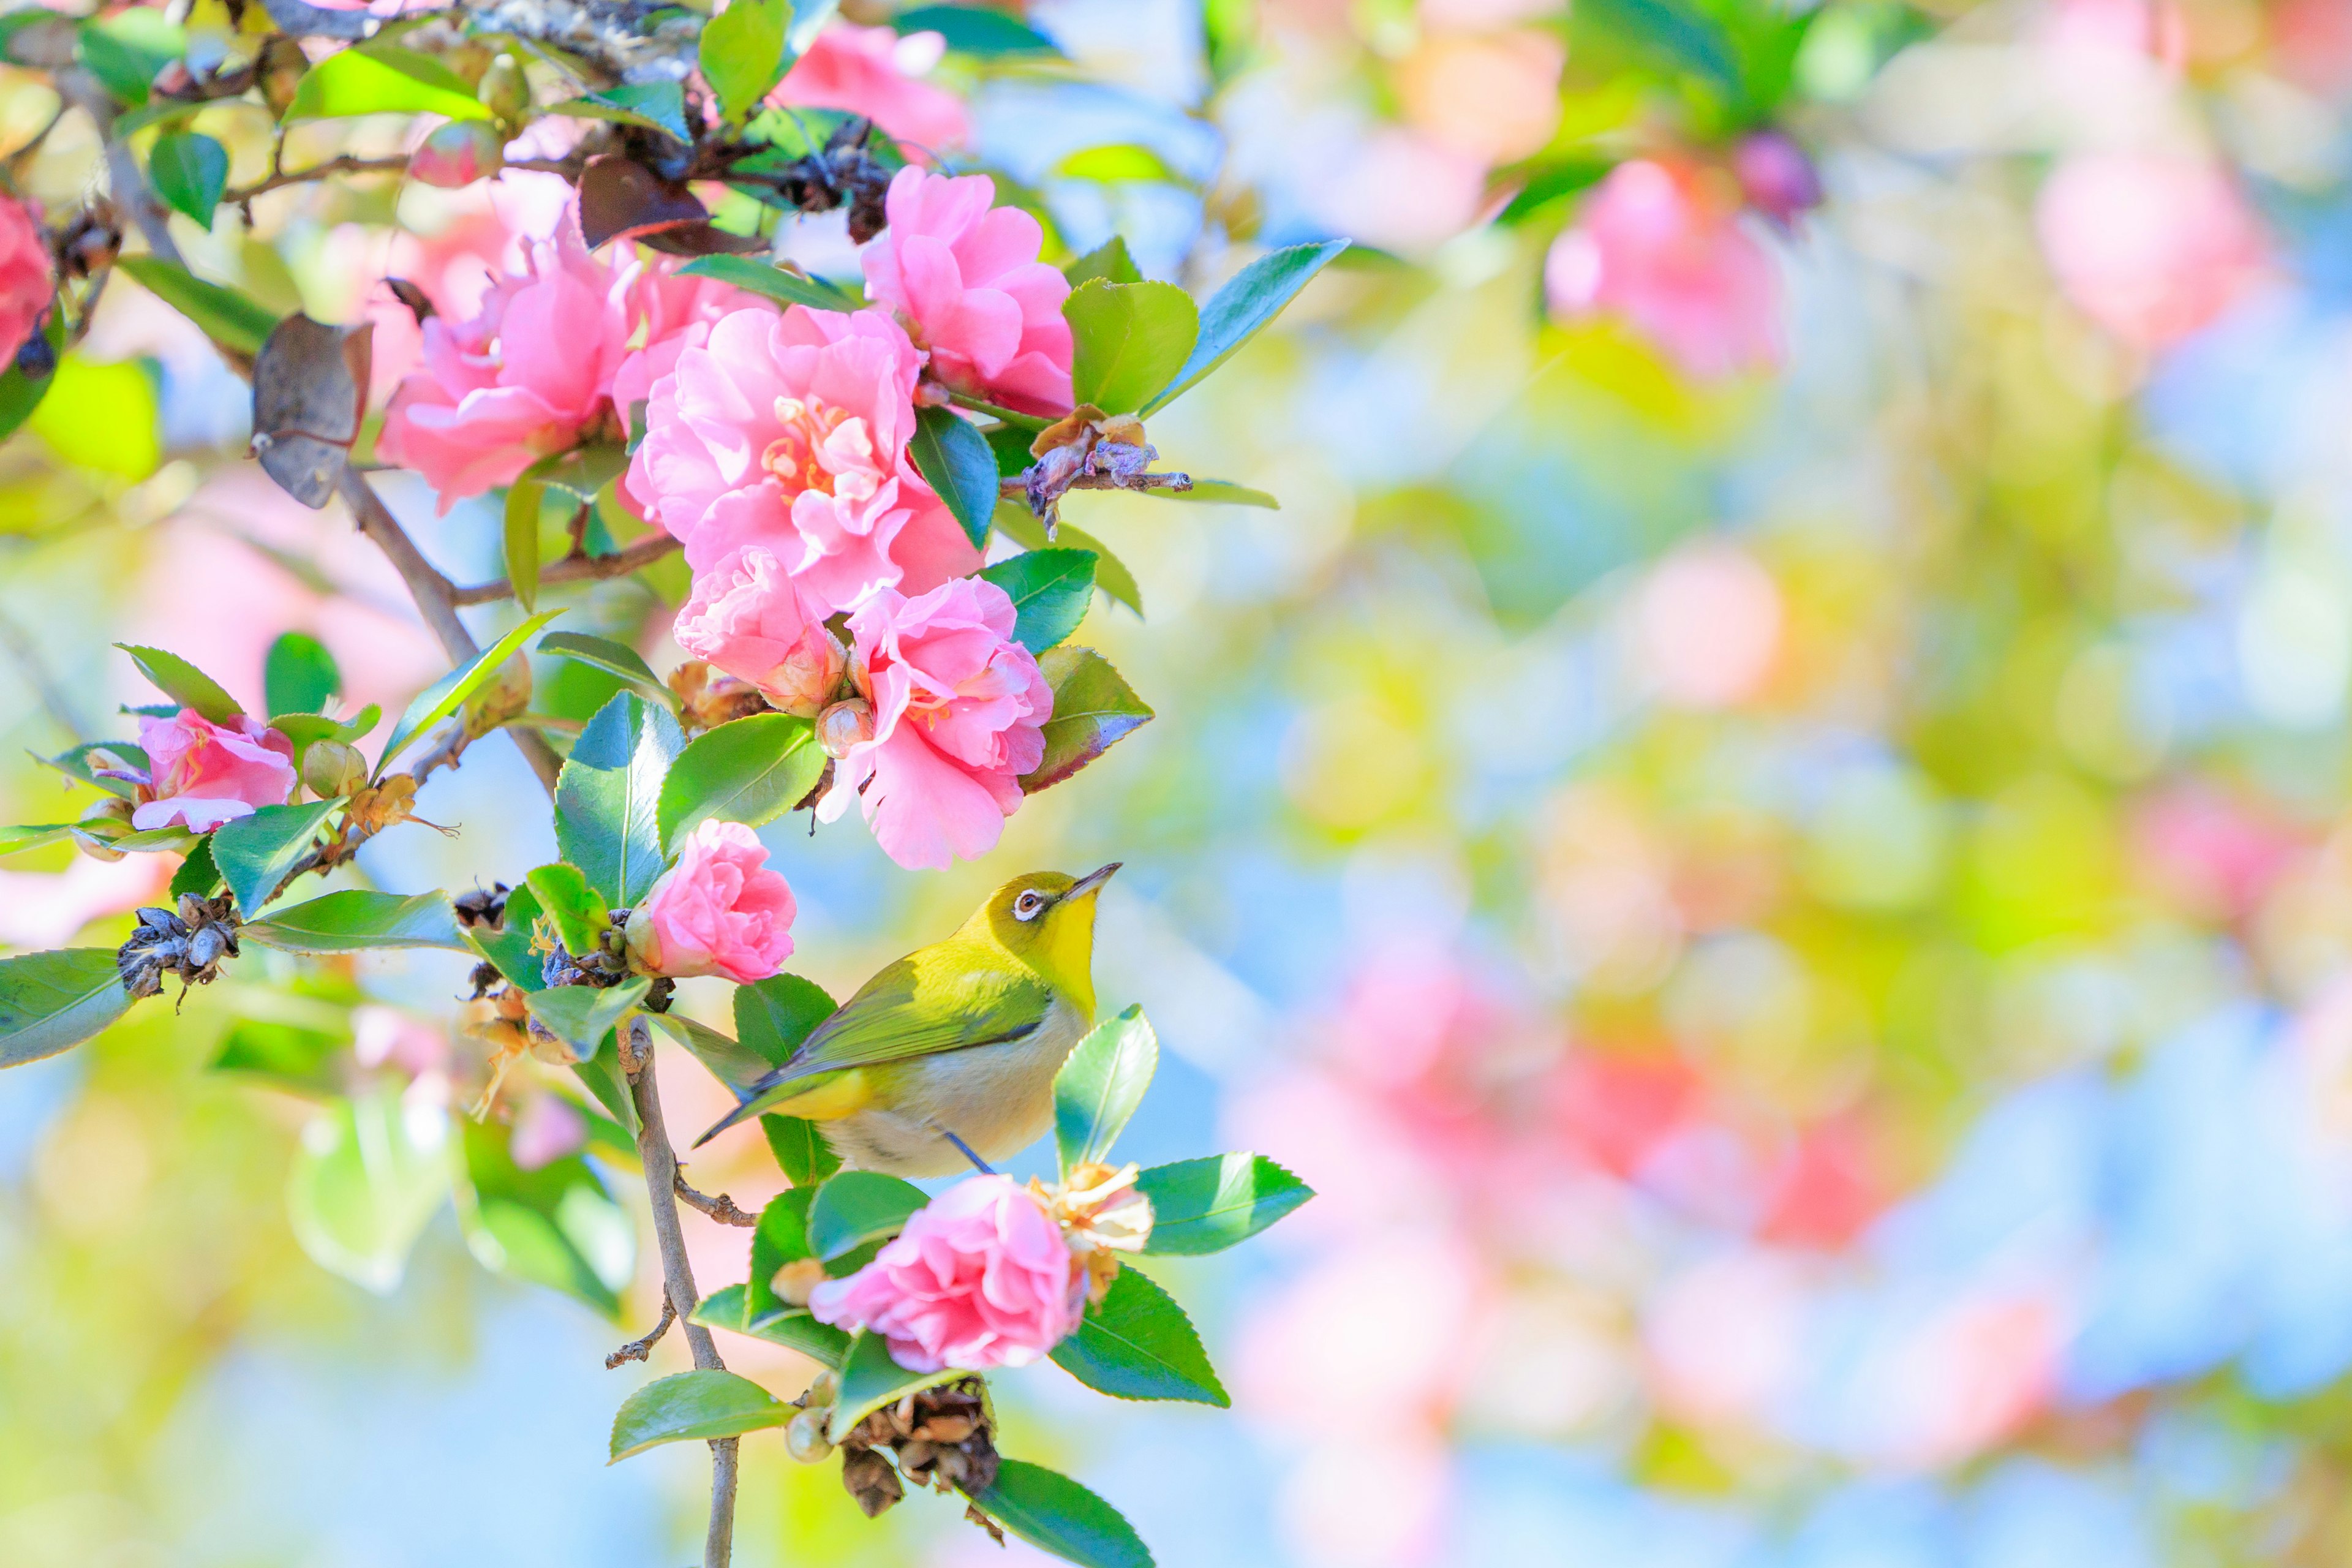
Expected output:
(1027, 906)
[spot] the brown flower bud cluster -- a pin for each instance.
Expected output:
(190, 943)
(711, 698)
(1087, 445)
(1101, 1215)
(943, 1437)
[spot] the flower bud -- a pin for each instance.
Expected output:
(457, 154)
(1776, 177)
(334, 769)
(822, 1389)
(796, 1280)
(809, 676)
(503, 90)
(804, 1439)
(844, 725)
(105, 821)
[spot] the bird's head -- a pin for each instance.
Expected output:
(1047, 921)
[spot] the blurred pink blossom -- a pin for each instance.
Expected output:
(719, 910)
(2150, 246)
(25, 283)
(1490, 96)
(546, 1129)
(1661, 246)
(980, 1277)
(2219, 856)
(202, 773)
(386, 1037)
(872, 72)
(1706, 626)
(45, 908)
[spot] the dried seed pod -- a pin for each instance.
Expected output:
(872, 1481)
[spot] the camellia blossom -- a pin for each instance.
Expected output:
(871, 71)
(672, 313)
(1662, 246)
(719, 910)
(2149, 245)
(980, 1277)
(958, 707)
(965, 278)
(203, 774)
(790, 432)
(747, 618)
(26, 284)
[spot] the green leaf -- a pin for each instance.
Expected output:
(607, 798)
(618, 659)
(1101, 1084)
(724, 1308)
(1679, 34)
(970, 30)
(24, 836)
(800, 1151)
(382, 79)
(1055, 1514)
(582, 1015)
(299, 675)
(603, 1077)
(774, 283)
(82, 762)
(229, 318)
(367, 1178)
(743, 53)
(509, 947)
(796, 1331)
(189, 170)
(870, 1380)
(523, 497)
(858, 1206)
(306, 730)
(198, 874)
(156, 840)
(1019, 524)
(445, 697)
(955, 460)
(581, 915)
(556, 1225)
(1206, 1206)
(773, 1016)
(1108, 260)
(287, 1055)
(750, 771)
(1128, 340)
(184, 683)
(356, 920)
(20, 393)
(124, 62)
(255, 852)
(780, 1237)
(689, 1405)
(1117, 163)
(1050, 590)
(1136, 1344)
(735, 1065)
(1094, 709)
(1219, 492)
(49, 1001)
(1241, 309)
(659, 104)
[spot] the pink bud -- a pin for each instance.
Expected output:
(457, 154)
(844, 725)
(1776, 177)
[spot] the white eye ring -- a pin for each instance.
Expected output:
(1028, 906)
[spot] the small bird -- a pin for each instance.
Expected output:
(948, 1055)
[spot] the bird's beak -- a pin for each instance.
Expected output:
(1091, 882)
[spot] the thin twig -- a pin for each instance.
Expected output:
(341, 164)
(660, 1161)
(642, 553)
(721, 1208)
(642, 1350)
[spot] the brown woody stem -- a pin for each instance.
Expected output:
(721, 1208)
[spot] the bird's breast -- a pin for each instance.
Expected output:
(998, 1099)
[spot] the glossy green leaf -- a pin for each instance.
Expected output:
(1019, 524)
(1054, 1513)
(1206, 1206)
(154, 840)
(184, 683)
(382, 79)
(521, 538)
(306, 730)
(1128, 340)
(230, 319)
(256, 852)
(602, 1076)
(1094, 709)
(356, 920)
(556, 1225)
(368, 1177)
(49, 1001)
(24, 836)
(750, 771)
(21, 394)
(773, 1016)
(870, 1380)
(732, 1064)
(607, 799)
(955, 460)
(780, 1237)
(1050, 590)
(618, 659)
(582, 1015)
(743, 53)
(774, 283)
(701, 1403)
(1097, 1089)
(975, 31)
(800, 1151)
(581, 915)
(299, 675)
(658, 104)
(1136, 1344)
(445, 697)
(1241, 309)
(189, 170)
(855, 1207)
(198, 874)
(1219, 492)
(1108, 260)
(796, 1331)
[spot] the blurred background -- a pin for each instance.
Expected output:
(1764, 823)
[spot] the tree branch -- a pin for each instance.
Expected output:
(643, 1349)
(349, 163)
(576, 569)
(721, 1208)
(660, 1161)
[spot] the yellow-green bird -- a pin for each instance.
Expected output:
(948, 1055)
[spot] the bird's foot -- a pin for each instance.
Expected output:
(964, 1149)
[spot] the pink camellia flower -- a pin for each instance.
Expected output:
(790, 432)
(871, 71)
(719, 910)
(528, 376)
(2150, 246)
(958, 707)
(203, 774)
(1662, 246)
(26, 282)
(746, 616)
(965, 278)
(981, 1278)
(677, 313)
